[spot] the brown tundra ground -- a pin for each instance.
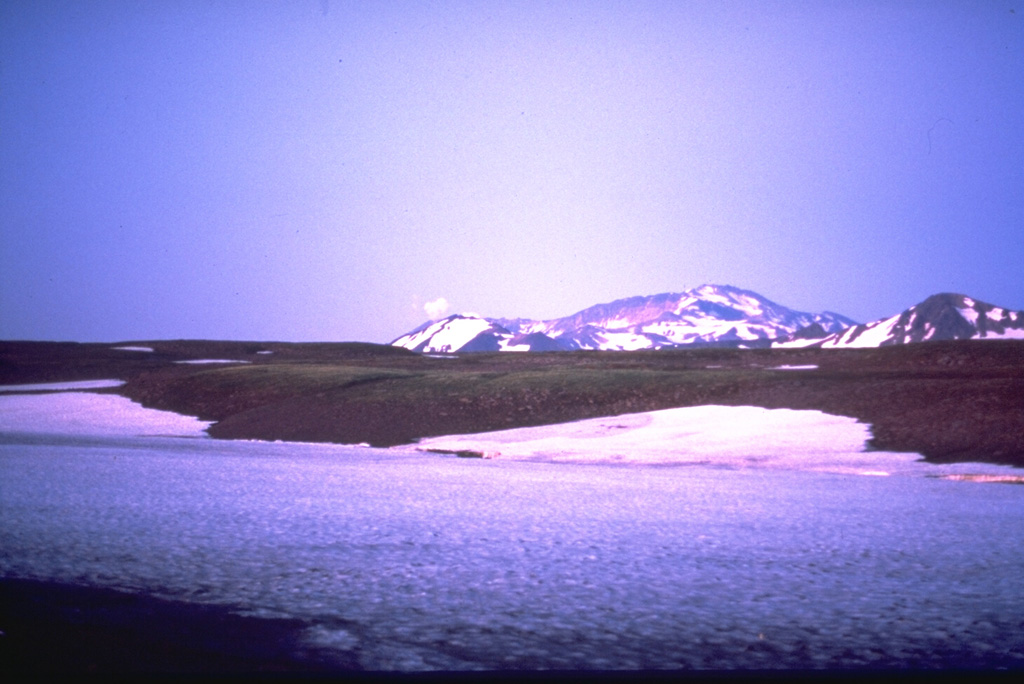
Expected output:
(950, 401)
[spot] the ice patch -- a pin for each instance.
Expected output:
(62, 386)
(81, 413)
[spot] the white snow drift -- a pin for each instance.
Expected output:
(62, 386)
(87, 413)
(729, 436)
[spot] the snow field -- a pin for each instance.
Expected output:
(84, 413)
(61, 386)
(725, 436)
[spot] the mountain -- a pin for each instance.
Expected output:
(944, 316)
(718, 315)
(471, 333)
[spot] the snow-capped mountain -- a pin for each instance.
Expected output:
(944, 316)
(709, 314)
(706, 315)
(472, 333)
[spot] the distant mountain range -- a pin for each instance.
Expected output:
(713, 315)
(940, 317)
(707, 315)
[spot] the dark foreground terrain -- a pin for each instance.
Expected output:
(951, 401)
(52, 627)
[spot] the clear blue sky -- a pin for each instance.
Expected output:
(320, 170)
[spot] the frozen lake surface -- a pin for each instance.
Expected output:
(405, 560)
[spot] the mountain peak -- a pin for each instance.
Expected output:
(448, 334)
(943, 316)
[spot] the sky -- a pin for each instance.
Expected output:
(319, 170)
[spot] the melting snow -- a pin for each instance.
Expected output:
(81, 413)
(728, 436)
(722, 436)
(972, 477)
(62, 386)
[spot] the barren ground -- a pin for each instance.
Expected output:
(950, 401)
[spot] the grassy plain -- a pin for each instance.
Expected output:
(951, 401)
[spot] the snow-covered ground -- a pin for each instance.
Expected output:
(722, 436)
(62, 386)
(716, 436)
(88, 413)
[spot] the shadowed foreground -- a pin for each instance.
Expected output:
(51, 627)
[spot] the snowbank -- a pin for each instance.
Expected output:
(201, 361)
(82, 413)
(729, 436)
(62, 386)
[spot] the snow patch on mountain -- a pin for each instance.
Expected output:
(447, 335)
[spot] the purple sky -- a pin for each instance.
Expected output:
(321, 170)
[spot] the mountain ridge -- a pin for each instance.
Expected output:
(714, 315)
(943, 316)
(708, 315)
